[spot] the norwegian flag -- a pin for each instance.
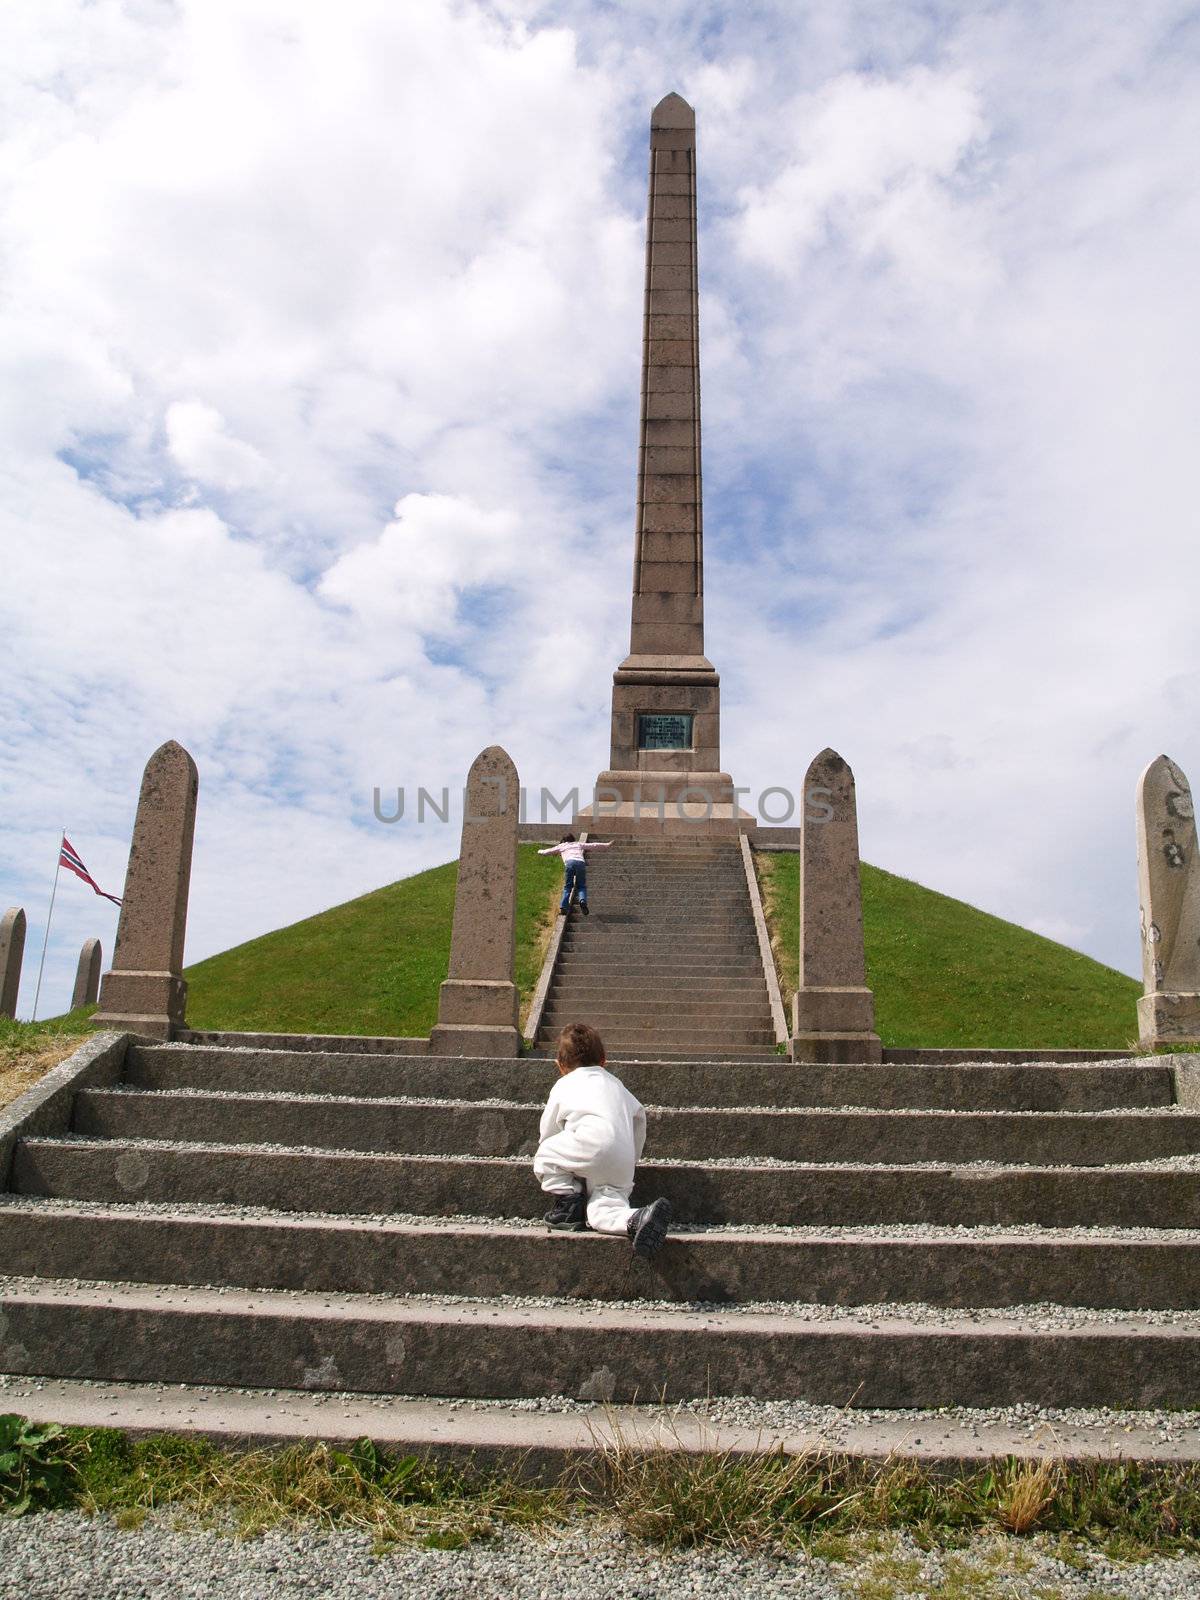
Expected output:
(68, 857)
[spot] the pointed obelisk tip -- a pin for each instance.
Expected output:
(672, 111)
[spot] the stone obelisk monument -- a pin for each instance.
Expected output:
(665, 759)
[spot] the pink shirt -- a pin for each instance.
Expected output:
(573, 849)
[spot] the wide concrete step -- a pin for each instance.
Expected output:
(583, 985)
(731, 961)
(812, 1136)
(684, 1040)
(670, 1010)
(376, 1256)
(594, 930)
(772, 1081)
(356, 1343)
(791, 1195)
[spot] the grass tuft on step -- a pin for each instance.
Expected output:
(946, 974)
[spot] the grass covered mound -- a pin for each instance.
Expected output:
(28, 1050)
(947, 974)
(370, 966)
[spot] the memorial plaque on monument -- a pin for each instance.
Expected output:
(670, 730)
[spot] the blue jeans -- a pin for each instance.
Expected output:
(575, 876)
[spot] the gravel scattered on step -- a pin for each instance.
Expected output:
(498, 1102)
(837, 1426)
(960, 1233)
(1181, 1163)
(1035, 1317)
(67, 1556)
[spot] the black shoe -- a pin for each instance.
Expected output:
(648, 1228)
(562, 911)
(569, 1212)
(583, 907)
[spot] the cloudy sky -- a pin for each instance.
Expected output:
(319, 343)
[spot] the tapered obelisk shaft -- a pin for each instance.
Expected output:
(665, 756)
(668, 580)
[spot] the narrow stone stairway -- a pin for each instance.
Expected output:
(863, 1236)
(667, 964)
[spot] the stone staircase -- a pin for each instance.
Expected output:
(667, 964)
(867, 1236)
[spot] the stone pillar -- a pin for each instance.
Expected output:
(12, 951)
(87, 975)
(1169, 893)
(478, 1003)
(833, 1016)
(145, 992)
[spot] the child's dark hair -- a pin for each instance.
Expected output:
(580, 1046)
(567, 838)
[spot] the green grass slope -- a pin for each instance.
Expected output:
(947, 974)
(371, 966)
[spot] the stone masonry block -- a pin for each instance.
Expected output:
(661, 430)
(668, 577)
(666, 207)
(654, 638)
(672, 303)
(670, 518)
(678, 488)
(669, 547)
(669, 181)
(672, 253)
(677, 278)
(679, 458)
(672, 148)
(671, 380)
(666, 403)
(672, 328)
(671, 353)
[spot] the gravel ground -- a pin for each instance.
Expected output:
(65, 1556)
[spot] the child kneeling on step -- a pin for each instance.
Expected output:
(592, 1133)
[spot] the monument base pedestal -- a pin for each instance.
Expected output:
(664, 804)
(150, 1004)
(1169, 1017)
(834, 1024)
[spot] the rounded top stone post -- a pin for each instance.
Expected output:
(153, 921)
(12, 952)
(1168, 879)
(831, 930)
(483, 939)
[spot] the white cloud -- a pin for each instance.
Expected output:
(199, 440)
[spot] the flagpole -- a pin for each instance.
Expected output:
(53, 891)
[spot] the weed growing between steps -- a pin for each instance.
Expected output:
(28, 1050)
(831, 1506)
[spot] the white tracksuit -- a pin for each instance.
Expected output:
(594, 1129)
